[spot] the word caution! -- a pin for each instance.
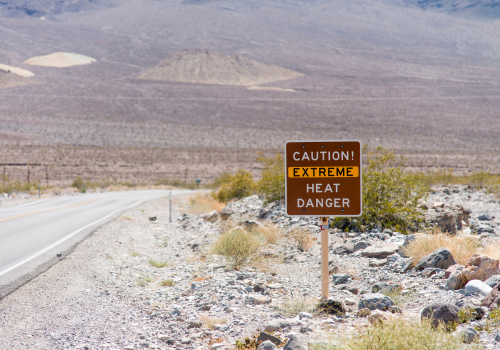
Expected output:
(311, 167)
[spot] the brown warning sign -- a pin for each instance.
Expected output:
(323, 178)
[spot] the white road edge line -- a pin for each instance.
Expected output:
(55, 244)
(25, 205)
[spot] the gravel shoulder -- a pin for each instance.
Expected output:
(108, 295)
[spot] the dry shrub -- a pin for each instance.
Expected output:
(302, 239)
(126, 217)
(271, 232)
(210, 322)
(204, 203)
(157, 263)
(493, 251)
(238, 245)
(461, 246)
(351, 272)
(167, 283)
(397, 334)
(117, 188)
(294, 305)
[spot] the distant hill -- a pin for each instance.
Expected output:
(47, 8)
(471, 8)
(9, 79)
(208, 67)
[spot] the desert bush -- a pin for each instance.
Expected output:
(237, 245)
(204, 203)
(461, 246)
(390, 196)
(294, 305)
(167, 283)
(157, 263)
(78, 183)
(235, 186)
(397, 335)
(272, 184)
(19, 186)
(302, 239)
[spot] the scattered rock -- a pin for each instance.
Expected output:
(294, 343)
(344, 249)
(470, 335)
(152, 218)
(455, 281)
(304, 314)
(441, 313)
(363, 312)
(492, 300)
(479, 267)
(257, 299)
(380, 252)
(360, 245)
(493, 281)
(408, 240)
(341, 278)
(385, 288)
(453, 268)
(275, 325)
(375, 301)
(377, 317)
(331, 307)
(377, 262)
(441, 258)
(263, 336)
(395, 309)
(267, 345)
(195, 324)
(477, 286)
(497, 337)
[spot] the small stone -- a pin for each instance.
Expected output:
(275, 286)
(263, 336)
(185, 341)
(275, 325)
(304, 314)
(360, 245)
(195, 324)
(380, 252)
(363, 312)
(377, 262)
(205, 308)
(267, 345)
(455, 281)
(349, 301)
(470, 335)
(257, 299)
(344, 249)
(497, 337)
(493, 281)
(441, 313)
(331, 307)
(477, 286)
(216, 346)
(294, 343)
(385, 288)
(305, 330)
(163, 337)
(375, 301)
(341, 278)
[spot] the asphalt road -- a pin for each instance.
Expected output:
(32, 235)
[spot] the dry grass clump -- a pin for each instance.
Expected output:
(237, 245)
(294, 305)
(493, 250)
(204, 203)
(460, 245)
(271, 232)
(210, 322)
(397, 335)
(167, 283)
(302, 239)
(157, 263)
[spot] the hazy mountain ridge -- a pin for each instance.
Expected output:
(473, 8)
(47, 8)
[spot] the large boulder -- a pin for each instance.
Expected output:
(492, 300)
(441, 313)
(375, 301)
(479, 267)
(455, 281)
(447, 219)
(441, 258)
(477, 286)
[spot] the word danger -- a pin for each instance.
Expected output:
(321, 203)
(341, 171)
(324, 155)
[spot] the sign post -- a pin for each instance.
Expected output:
(323, 179)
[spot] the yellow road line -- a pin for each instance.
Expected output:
(43, 211)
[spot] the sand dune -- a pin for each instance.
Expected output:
(60, 60)
(16, 70)
(208, 67)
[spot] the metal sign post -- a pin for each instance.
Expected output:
(323, 179)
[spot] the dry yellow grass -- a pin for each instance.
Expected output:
(271, 232)
(461, 246)
(210, 322)
(204, 203)
(126, 217)
(493, 251)
(302, 238)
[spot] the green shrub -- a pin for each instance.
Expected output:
(397, 335)
(272, 184)
(390, 196)
(235, 186)
(237, 245)
(78, 183)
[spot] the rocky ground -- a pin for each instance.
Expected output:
(137, 283)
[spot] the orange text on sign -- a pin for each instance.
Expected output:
(341, 171)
